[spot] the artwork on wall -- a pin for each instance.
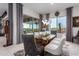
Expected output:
(75, 21)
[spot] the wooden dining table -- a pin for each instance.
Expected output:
(44, 40)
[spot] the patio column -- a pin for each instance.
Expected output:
(69, 24)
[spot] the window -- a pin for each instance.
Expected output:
(53, 24)
(27, 26)
(30, 25)
(56, 24)
(35, 26)
(62, 22)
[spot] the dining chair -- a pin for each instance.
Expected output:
(54, 32)
(55, 46)
(30, 46)
(76, 38)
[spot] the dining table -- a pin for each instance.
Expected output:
(44, 40)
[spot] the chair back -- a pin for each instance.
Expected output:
(62, 42)
(29, 45)
(77, 34)
(54, 32)
(59, 35)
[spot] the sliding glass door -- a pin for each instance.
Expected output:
(59, 24)
(35, 25)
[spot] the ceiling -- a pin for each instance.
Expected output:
(3, 8)
(43, 8)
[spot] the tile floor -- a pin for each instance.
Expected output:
(10, 50)
(69, 48)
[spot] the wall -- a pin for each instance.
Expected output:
(75, 30)
(14, 25)
(75, 13)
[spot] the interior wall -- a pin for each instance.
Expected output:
(14, 25)
(75, 13)
(75, 30)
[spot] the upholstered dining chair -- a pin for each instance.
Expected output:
(55, 46)
(30, 46)
(76, 38)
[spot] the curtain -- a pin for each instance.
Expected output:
(69, 24)
(10, 18)
(19, 9)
